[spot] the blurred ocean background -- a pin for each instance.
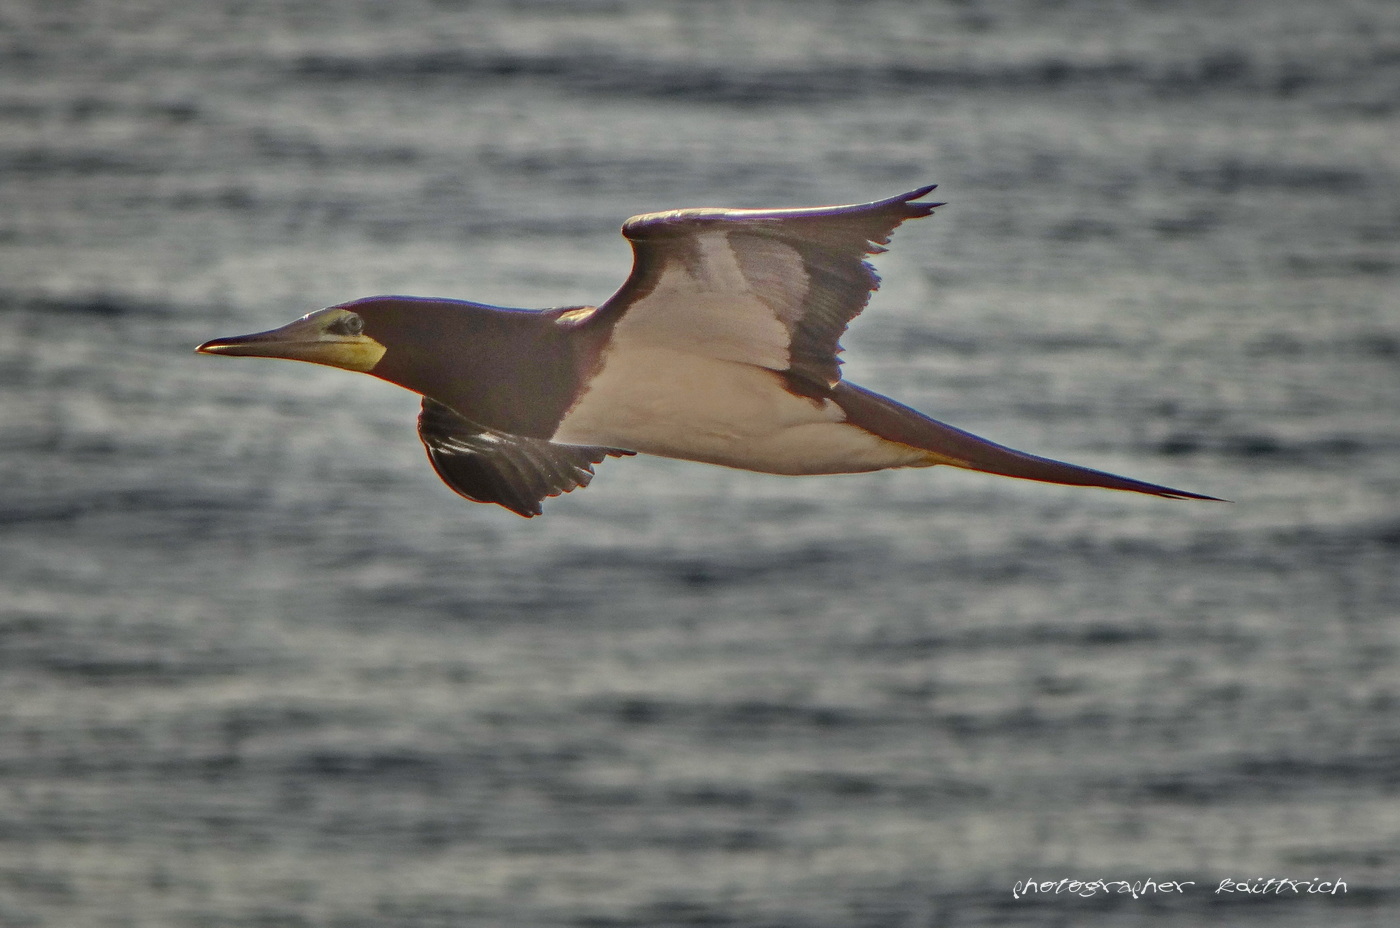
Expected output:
(259, 668)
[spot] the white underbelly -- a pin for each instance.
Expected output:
(669, 403)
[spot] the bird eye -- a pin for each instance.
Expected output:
(348, 324)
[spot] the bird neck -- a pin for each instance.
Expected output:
(506, 369)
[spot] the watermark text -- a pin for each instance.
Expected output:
(1087, 888)
(1259, 886)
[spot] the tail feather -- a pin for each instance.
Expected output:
(947, 445)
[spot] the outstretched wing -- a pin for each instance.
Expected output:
(496, 467)
(893, 421)
(773, 288)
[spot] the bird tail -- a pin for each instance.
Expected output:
(947, 445)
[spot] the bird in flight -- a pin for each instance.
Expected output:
(720, 347)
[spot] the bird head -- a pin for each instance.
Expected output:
(337, 337)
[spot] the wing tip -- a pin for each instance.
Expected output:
(913, 208)
(1048, 470)
(1169, 493)
(1153, 489)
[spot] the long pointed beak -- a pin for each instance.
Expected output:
(259, 345)
(303, 340)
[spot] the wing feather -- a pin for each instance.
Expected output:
(774, 288)
(514, 471)
(894, 421)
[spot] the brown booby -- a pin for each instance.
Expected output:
(720, 347)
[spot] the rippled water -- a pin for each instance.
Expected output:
(261, 668)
